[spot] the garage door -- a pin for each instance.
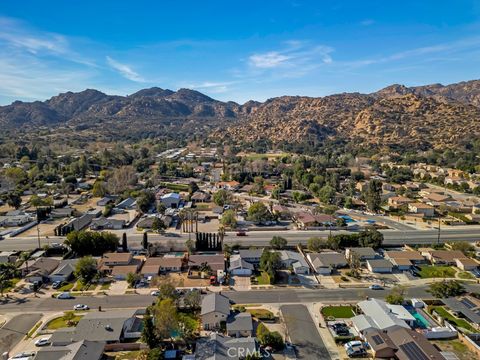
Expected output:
(242, 272)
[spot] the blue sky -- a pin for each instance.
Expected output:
(234, 50)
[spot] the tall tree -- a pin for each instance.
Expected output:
(278, 242)
(373, 195)
(124, 242)
(86, 269)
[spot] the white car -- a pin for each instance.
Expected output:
(42, 342)
(155, 293)
(81, 307)
(64, 295)
(375, 287)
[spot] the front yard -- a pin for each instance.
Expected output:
(263, 279)
(68, 320)
(338, 312)
(430, 271)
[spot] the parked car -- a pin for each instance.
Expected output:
(81, 307)
(42, 342)
(64, 295)
(155, 293)
(375, 287)
(57, 284)
(23, 355)
(341, 329)
(476, 273)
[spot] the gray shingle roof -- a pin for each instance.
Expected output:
(215, 303)
(217, 346)
(240, 322)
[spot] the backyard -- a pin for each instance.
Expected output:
(338, 312)
(457, 347)
(429, 271)
(440, 310)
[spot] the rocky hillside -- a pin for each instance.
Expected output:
(419, 117)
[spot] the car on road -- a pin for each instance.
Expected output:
(155, 293)
(375, 287)
(241, 233)
(64, 295)
(42, 342)
(81, 307)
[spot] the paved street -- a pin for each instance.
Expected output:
(303, 333)
(262, 238)
(272, 296)
(15, 329)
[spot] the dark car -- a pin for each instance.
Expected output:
(57, 284)
(241, 233)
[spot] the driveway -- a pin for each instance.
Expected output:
(303, 333)
(241, 283)
(118, 288)
(15, 329)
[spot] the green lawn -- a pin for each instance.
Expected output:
(465, 275)
(263, 279)
(66, 287)
(262, 314)
(79, 286)
(440, 310)
(12, 283)
(60, 322)
(429, 271)
(338, 312)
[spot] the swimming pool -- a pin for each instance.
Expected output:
(347, 218)
(420, 320)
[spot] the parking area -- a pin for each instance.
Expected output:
(303, 333)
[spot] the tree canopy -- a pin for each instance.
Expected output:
(92, 243)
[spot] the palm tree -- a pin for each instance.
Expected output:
(205, 268)
(24, 256)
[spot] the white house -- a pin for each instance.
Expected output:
(380, 266)
(171, 200)
(294, 260)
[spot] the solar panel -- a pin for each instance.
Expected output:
(377, 339)
(468, 303)
(413, 352)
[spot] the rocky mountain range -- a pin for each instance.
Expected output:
(419, 117)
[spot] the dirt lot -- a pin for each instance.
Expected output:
(91, 203)
(46, 229)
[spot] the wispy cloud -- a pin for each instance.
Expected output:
(367, 22)
(125, 70)
(294, 54)
(446, 49)
(212, 87)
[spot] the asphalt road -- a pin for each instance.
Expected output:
(15, 329)
(262, 238)
(303, 333)
(276, 296)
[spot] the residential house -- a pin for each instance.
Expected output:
(466, 264)
(404, 260)
(39, 269)
(215, 261)
(402, 344)
(171, 200)
(127, 204)
(325, 262)
(220, 347)
(464, 308)
(109, 199)
(305, 220)
(239, 266)
(61, 213)
(147, 222)
(295, 260)
(215, 310)
(251, 256)
(15, 218)
(240, 325)
(436, 197)
(105, 326)
(121, 272)
(380, 266)
(118, 265)
(228, 185)
(200, 197)
(103, 223)
(78, 350)
(155, 265)
(396, 202)
(444, 257)
(283, 212)
(377, 314)
(9, 256)
(363, 253)
(64, 270)
(421, 208)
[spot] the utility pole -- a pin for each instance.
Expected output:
(439, 222)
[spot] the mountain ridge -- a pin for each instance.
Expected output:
(425, 116)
